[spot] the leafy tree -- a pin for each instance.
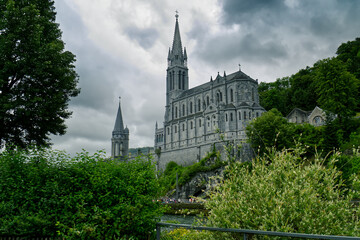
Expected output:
(275, 95)
(337, 89)
(349, 53)
(269, 130)
(285, 194)
(45, 193)
(302, 90)
(37, 76)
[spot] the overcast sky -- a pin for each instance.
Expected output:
(121, 48)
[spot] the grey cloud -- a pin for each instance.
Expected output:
(145, 37)
(248, 47)
(249, 11)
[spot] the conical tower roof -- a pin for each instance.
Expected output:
(119, 125)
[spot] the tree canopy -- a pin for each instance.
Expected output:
(37, 75)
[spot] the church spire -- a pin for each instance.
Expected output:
(119, 125)
(176, 55)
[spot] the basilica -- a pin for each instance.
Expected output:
(195, 118)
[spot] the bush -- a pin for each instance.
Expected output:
(284, 193)
(46, 193)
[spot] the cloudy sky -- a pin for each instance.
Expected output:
(121, 48)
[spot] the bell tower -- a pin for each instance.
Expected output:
(177, 79)
(120, 138)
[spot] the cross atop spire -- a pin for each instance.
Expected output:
(176, 15)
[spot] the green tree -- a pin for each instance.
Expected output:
(37, 76)
(275, 95)
(302, 90)
(269, 130)
(45, 193)
(349, 53)
(284, 193)
(337, 89)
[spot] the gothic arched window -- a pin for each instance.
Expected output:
(199, 105)
(176, 112)
(226, 117)
(191, 107)
(199, 122)
(183, 110)
(231, 116)
(191, 125)
(239, 115)
(231, 95)
(207, 100)
(244, 115)
(183, 80)
(170, 80)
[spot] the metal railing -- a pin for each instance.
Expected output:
(246, 232)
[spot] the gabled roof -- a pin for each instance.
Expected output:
(306, 113)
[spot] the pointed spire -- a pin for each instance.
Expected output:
(224, 73)
(176, 54)
(169, 54)
(119, 125)
(185, 55)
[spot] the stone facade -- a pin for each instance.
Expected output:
(195, 118)
(120, 138)
(315, 117)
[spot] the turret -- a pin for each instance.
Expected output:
(120, 137)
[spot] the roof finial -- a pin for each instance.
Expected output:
(119, 99)
(239, 67)
(176, 15)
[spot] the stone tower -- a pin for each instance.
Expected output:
(120, 137)
(177, 79)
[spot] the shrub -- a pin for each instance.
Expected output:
(46, 193)
(284, 193)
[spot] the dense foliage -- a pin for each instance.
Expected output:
(37, 76)
(45, 193)
(308, 87)
(282, 192)
(273, 131)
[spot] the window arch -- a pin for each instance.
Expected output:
(231, 117)
(176, 112)
(170, 80)
(183, 80)
(231, 95)
(180, 81)
(199, 105)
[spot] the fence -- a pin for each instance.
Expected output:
(246, 232)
